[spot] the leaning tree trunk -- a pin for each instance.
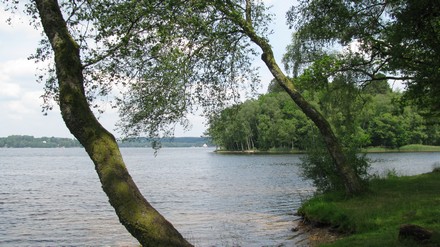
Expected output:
(350, 179)
(134, 212)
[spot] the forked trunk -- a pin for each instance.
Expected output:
(134, 212)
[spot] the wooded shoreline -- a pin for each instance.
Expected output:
(404, 149)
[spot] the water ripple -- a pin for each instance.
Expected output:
(52, 197)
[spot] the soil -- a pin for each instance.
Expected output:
(316, 234)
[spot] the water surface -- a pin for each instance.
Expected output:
(52, 197)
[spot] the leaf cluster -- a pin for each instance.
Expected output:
(159, 60)
(361, 117)
(399, 40)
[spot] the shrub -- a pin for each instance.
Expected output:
(318, 166)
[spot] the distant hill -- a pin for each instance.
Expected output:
(25, 141)
(167, 142)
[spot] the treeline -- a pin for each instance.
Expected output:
(24, 141)
(371, 115)
(167, 142)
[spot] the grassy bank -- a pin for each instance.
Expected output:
(407, 148)
(270, 151)
(373, 219)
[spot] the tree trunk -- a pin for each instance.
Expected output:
(134, 212)
(351, 180)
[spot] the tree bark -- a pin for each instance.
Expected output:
(147, 225)
(351, 180)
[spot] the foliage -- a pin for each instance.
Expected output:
(317, 165)
(361, 117)
(374, 218)
(397, 40)
(162, 59)
(272, 121)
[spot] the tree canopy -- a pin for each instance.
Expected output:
(173, 56)
(370, 116)
(168, 58)
(396, 40)
(166, 55)
(163, 59)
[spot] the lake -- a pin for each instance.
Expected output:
(52, 197)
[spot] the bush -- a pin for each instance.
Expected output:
(436, 167)
(318, 166)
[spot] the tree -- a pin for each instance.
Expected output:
(197, 48)
(271, 121)
(133, 210)
(170, 55)
(242, 18)
(394, 40)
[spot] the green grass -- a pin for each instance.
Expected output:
(419, 148)
(374, 218)
(406, 148)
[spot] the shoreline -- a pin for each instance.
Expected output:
(416, 148)
(250, 152)
(315, 235)
(377, 217)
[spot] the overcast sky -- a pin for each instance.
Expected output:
(20, 102)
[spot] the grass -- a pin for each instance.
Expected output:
(270, 151)
(374, 218)
(419, 148)
(406, 148)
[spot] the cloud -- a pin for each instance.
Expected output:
(22, 106)
(20, 95)
(9, 90)
(18, 67)
(16, 77)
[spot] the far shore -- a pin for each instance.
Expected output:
(413, 148)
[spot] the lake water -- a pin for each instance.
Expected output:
(52, 197)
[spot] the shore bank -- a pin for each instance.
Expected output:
(404, 149)
(313, 236)
(374, 218)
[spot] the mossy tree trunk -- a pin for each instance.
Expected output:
(350, 179)
(134, 212)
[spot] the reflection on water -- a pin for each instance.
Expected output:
(52, 197)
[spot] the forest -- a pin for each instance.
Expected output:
(370, 116)
(26, 141)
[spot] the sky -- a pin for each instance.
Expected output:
(20, 101)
